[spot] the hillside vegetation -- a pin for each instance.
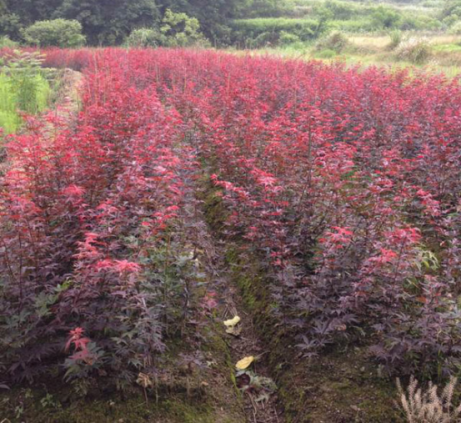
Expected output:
(334, 199)
(230, 211)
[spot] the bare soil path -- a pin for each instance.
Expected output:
(257, 391)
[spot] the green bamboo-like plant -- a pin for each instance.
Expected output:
(23, 88)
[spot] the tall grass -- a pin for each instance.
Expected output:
(21, 94)
(9, 119)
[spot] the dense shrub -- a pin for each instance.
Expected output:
(345, 11)
(388, 19)
(107, 22)
(258, 32)
(336, 42)
(286, 38)
(396, 39)
(180, 30)
(385, 17)
(451, 12)
(419, 23)
(6, 42)
(58, 33)
(414, 50)
(267, 8)
(177, 30)
(456, 28)
(144, 37)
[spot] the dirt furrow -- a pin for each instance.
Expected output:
(255, 385)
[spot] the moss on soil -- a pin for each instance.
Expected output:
(132, 410)
(202, 396)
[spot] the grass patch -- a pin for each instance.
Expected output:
(30, 96)
(447, 48)
(23, 88)
(9, 118)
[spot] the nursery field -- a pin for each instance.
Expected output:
(208, 237)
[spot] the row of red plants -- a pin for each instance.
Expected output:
(89, 235)
(344, 182)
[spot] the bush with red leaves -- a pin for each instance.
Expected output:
(85, 213)
(345, 182)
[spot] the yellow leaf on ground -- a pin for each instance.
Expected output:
(244, 363)
(232, 322)
(235, 331)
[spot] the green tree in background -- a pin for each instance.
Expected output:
(179, 30)
(451, 12)
(16, 15)
(10, 23)
(108, 22)
(385, 17)
(214, 16)
(176, 30)
(58, 32)
(144, 37)
(265, 8)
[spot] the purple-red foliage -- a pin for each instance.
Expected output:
(346, 182)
